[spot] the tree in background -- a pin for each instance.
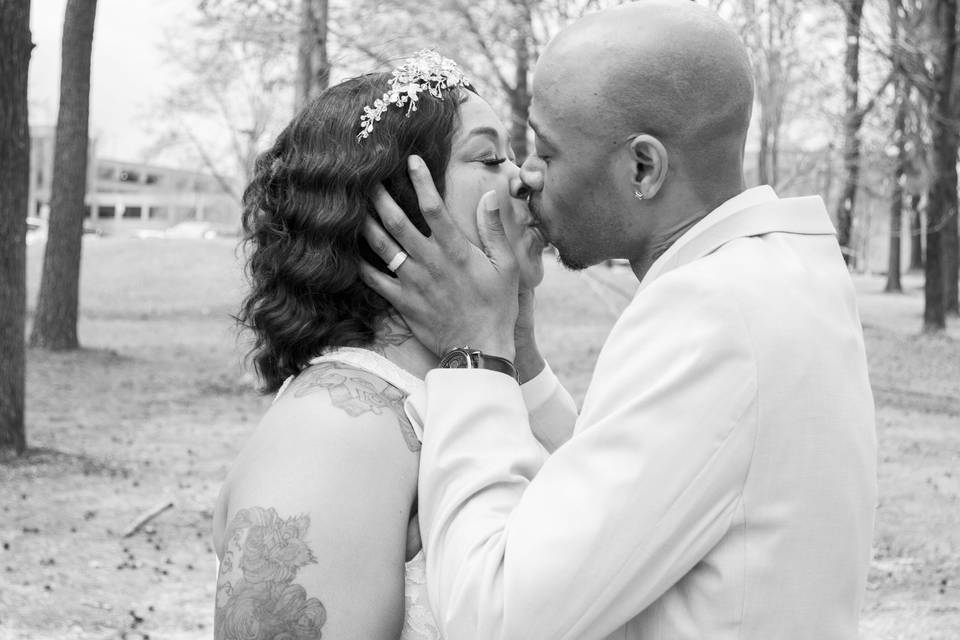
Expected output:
(807, 136)
(916, 232)
(854, 115)
(259, 21)
(917, 175)
(853, 9)
(770, 36)
(942, 200)
(901, 107)
(15, 47)
(507, 44)
(790, 86)
(313, 64)
(496, 42)
(55, 322)
(234, 91)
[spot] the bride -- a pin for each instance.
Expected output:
(316, 525)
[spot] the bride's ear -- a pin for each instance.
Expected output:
(650, 162)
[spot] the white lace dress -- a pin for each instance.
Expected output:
(418, 622)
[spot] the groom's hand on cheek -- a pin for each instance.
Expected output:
(449, 291)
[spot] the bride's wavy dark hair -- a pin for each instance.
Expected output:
(304, 210)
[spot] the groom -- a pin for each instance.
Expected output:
(721, 481)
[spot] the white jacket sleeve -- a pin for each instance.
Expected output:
(551, 410)
(576, 545)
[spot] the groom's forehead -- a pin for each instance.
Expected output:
(562, 109)
(567, 80)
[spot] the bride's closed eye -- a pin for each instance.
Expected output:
(492, 162)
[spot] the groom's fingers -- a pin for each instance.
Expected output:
(446, 233)
(383, 284)
(396, 222)
(379, 240)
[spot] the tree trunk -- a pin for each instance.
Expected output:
(942, 202)
(775, 144)
(900, 161)
(763, 162)
(950, 237)
(950, 233)
(949, 247)
(896, 198)
(520, 95)
(852, 120)
(916, 233)
(313, 66)
(15, 49)
(55, 322)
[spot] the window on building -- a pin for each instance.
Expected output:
(155, 213)
(152, 178)
(108, 212)
(186, 213)
(131, 212)
(106, 173)
(127, 175)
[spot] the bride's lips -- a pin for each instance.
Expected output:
(537, 230)
(529, 221)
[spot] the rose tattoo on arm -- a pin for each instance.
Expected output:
(257, 598)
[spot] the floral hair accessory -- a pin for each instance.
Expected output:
(426, 71)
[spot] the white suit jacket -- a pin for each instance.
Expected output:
(721, 480)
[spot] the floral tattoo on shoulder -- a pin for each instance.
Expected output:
(257, 596)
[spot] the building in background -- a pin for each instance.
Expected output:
(130, 196)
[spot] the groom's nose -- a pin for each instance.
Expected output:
(531, 175)
(518, 189)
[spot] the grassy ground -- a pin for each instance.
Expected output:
(156, 405)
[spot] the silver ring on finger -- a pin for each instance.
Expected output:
(398, 260)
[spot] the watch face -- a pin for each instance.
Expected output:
(456, 359)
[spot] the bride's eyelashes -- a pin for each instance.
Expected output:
(493, 162)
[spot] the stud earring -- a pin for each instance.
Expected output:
(638, 194)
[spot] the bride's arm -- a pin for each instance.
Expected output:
(553, 413)
(316, 514)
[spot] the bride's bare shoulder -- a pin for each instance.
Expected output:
(336, 430)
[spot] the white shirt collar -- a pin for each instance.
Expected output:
(743, 200)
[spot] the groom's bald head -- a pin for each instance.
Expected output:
(640, 114)
(669, 68)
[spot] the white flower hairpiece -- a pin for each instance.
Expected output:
(426, 70)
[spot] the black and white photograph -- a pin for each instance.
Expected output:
(479, 320)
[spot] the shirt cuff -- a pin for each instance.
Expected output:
(540, 388)
(536, 392)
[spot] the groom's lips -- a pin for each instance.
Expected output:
(533, 206)
(540, 232)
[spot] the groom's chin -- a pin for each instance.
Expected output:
(569, 261)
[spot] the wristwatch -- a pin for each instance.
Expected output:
(467, 358)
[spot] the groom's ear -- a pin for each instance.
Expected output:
(650, 161)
